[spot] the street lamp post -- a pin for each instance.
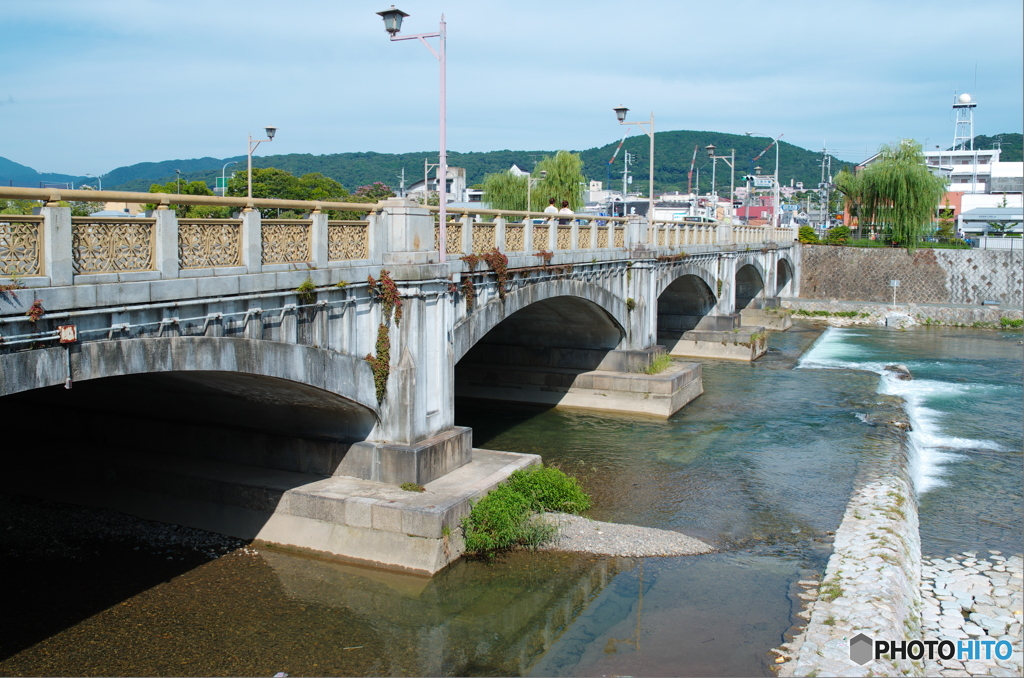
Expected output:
(177, 173)
(620, 113)
(730, 160)
(99, 180)
(253, 143)
(775, 193)
(393, 24)
(223, 178)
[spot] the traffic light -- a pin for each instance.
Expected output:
(748, 177)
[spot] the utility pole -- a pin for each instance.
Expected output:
(401, 184)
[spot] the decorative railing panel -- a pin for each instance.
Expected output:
(484, 237)
(620, 237)
(348, 240)
(583, 237)
(208, 243)
(286, 241)
(541, 237)
(563, 239)
(602, 237)
(453, 234)
(20, 245)
(112, 245)
(514, 238)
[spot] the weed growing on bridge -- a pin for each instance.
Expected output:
(36, 311)
(509, 515)
(412, 487)
(630, 304)
(391, 304)
(471, 261)
(661, 362)
(306, 291)
(499, 264)
(469, 292)
(545, 255)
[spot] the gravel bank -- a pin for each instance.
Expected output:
(583, 535)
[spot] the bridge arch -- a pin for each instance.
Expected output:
(783, 277)
(540, 312)
(749, 284)
(226, 383)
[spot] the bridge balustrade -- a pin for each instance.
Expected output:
(53, 248)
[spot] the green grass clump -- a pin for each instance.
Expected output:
(1011, 322)
(509, 515)
(550, 489)
(661, 362)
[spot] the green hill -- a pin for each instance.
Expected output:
(673, 152)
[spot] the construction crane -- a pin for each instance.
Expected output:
(757, 157)
(615, 155)
(689, 175)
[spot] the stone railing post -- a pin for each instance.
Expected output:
(57, 257)
(528, 244)
(467, 233)
(499, 233)
(574, 235)
(318, 238)
(725, 234)
(406, 233)
(252, 240)
(166, 256)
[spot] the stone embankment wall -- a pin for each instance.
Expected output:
(872, 580)
(927, 276)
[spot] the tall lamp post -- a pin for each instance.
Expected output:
(393, 24)
(253, 143)
(620, 113)
(98, 178)
(177, 173)
(730, 160)
(775, 194)
(223, 178)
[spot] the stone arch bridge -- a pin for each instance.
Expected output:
(165, 351)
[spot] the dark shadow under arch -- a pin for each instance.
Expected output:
(749, 285)
(682, 306)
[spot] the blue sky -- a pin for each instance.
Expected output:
(87, 86)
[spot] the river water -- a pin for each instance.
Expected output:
(761, 465)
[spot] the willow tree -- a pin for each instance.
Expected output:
(505, 191)
(900, 193)
(562, 180)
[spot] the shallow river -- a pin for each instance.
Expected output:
(761, 465)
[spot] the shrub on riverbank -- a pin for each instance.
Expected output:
(509, 515)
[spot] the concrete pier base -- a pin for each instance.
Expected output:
(742, 343)
(340, 517)
(771, 320)
(661, 395)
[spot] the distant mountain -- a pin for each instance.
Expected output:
(673, 153)
(13, 174)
